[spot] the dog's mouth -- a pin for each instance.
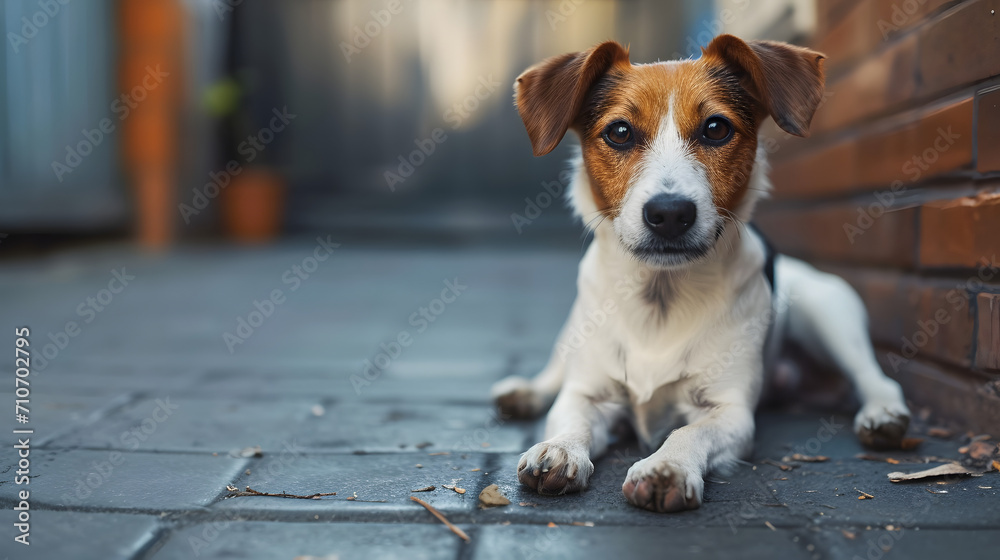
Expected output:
(671, 255)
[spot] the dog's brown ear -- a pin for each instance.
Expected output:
(787, 80)
(550, 95)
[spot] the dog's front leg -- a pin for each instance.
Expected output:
(672, 478)
(576, 429)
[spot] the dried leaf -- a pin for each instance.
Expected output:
(981, 450)
(781, 466)
(940, 470)
(453, 487)
(425, 489)
(491, 497)
(940, 433)
(806, 458)
(527, 504)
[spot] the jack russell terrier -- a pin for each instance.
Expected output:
(681, 307)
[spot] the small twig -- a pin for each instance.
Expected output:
(424, 489)
(864, 495)
(251, 492)
(442, 519)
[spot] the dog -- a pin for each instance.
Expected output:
(681, 306)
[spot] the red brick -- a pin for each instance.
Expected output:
(960, 233)
(827, 234)
(988, 137)
(876, 85)
(943, 139)
(930, 317)
(988, 338)
(961, 48)
(952, 394)
(817, 173)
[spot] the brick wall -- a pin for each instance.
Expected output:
(898, 190)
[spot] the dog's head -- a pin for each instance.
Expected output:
(669, 148)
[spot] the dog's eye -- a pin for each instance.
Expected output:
(717, 131)
(618, 135)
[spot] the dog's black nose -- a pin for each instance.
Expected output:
(669, 216)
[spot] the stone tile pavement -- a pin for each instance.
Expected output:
(145, 416)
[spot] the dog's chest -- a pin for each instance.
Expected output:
(657, 341)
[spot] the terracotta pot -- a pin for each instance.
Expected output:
(253, 206)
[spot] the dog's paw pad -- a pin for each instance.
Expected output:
(881, 426)
(516, 398)
(662, 487)
(553, 469)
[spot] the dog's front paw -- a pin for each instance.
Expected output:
(515, 397)
(882, 425)
(662, 487)
(555, 468)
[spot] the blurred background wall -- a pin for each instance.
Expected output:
(363, 83)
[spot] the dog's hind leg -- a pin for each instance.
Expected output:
(827, 318)
(519, 397)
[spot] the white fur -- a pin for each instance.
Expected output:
(692, 368)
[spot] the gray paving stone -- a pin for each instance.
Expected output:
(879, 544)
(827, 493)
(135, 481)
(197, 424)
(383, 484)
(54, 414)
(267, 541)
(571, 542)
(437, 383)
(104, 379)
(740, 500)
(82, 536)
(383, 427)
